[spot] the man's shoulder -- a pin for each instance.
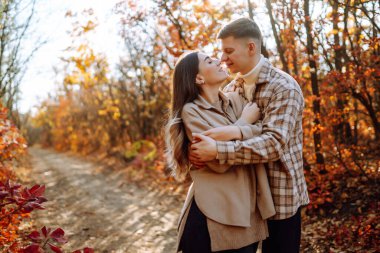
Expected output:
(281, 81)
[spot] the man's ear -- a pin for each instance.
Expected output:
(252, 48)
(199, 80)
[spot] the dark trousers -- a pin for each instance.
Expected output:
(196, 239)
(284, 235)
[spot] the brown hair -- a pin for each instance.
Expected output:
(241, 28)
(185, 90)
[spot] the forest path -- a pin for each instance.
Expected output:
(100, 209)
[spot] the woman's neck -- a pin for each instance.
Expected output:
(211, 94)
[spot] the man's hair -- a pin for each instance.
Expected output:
(241, 28)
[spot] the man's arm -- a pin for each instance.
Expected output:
(279, 120)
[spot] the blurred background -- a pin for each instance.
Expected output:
(93, 78)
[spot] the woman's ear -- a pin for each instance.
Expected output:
(199, 80)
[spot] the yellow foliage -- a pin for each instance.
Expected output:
(102, 112)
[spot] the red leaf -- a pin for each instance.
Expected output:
(41, 199)
(14, 247)
(88, 250)
(36, 205)
(55, 248)
(37, 190)
(45, 231)
(34, 248)
(3, 194)
(58, 235)
(35, 236)
(85, 250)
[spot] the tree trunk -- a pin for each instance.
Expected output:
(314, 86)
(342, 131)
(280, 49)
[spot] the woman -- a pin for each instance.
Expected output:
(219, 214)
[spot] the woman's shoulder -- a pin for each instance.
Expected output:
(189, 109)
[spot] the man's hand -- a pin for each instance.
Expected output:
(224, 133)
(204, 149)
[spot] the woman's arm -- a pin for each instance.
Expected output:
(237, 131)
(194, 123)
(243, 128)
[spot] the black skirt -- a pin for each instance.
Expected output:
(196, 238)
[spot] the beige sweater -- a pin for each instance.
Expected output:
(227, 195)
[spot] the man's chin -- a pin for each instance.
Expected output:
(233, 71)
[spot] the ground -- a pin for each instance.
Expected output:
(99, 209)
(114, 208)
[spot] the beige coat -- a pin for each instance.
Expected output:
(227, 195)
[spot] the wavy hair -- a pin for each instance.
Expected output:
(185, 90)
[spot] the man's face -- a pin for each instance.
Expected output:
(236, 54)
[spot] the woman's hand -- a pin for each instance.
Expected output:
(251, 113)
(224, 133)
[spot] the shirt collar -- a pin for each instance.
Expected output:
(252, 75)
(202, 102)
(264, 72)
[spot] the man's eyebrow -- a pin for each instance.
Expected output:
(207, 58)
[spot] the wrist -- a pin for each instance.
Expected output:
(215, 151)
(237, 133)
(242, 121)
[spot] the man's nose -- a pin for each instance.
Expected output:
(224, 57)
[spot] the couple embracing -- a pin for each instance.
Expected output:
(241, 146)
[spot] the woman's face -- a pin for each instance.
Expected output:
(210, 70)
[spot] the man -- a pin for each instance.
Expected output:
(279, 147)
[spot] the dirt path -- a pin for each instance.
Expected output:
(101, 210)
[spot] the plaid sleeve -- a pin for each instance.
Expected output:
(278, 123)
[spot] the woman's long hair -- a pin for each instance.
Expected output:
(185, 90)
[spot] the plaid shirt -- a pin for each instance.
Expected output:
(279, 147)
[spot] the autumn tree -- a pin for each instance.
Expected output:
(13, 32)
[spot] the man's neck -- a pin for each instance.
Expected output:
(253, 64)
